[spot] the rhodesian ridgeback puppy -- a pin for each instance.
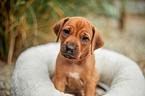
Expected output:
(75, 71)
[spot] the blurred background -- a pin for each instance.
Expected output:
(27, 23)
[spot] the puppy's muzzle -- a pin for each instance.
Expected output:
(69, 51)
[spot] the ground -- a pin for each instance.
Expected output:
(5, 77)
(129, 42)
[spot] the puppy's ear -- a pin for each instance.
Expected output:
(97, 40)
(57, 27)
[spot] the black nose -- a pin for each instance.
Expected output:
(70, 48)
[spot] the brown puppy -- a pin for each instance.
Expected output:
(75, 66)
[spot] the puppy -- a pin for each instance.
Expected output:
(75, 71)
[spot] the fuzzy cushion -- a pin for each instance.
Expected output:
(36, 65)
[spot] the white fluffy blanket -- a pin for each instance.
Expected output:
(36, 65)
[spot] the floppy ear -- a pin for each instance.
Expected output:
(57, 27)
(97, 40)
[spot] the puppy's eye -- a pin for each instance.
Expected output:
(66, 32)
(85, 39)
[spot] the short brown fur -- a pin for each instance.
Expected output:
(87, 75)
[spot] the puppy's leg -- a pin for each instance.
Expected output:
(91, 84)
(90, 89)
(59, 83)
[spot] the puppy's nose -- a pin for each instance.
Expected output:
(70, 48)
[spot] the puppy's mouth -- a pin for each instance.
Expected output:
(69, 56)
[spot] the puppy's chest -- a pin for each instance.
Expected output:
(74, 81)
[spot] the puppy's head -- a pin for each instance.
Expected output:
(77, 37)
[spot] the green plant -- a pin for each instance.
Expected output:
(23, 23)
